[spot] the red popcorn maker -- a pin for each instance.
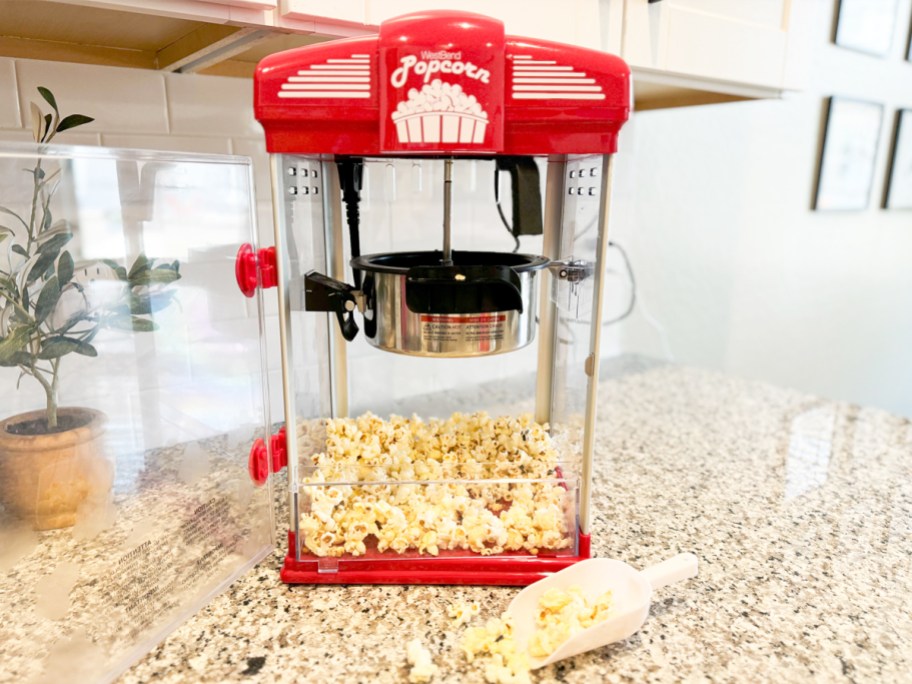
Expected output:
(442, 197)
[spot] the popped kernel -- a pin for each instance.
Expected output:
(446, 514)
(423, 668)
(462, 612)
(561, 614)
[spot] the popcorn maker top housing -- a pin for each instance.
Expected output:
(432, 463)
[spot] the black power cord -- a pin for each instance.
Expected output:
(500, 211)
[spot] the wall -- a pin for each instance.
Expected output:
(736, 270)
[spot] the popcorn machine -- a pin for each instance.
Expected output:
(442, 198)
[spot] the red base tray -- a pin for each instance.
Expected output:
(461, 569)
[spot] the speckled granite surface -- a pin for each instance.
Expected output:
(799, 509)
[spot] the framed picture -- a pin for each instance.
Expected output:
(866, 25)
(909, 44)
(898, 193)
(848, 151)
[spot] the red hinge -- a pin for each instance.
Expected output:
(248, 262)
(258, 461)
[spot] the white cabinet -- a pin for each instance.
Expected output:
(346, 11)
(248, 4)
(568, 21)
(734, 41)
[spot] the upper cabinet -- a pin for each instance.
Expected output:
(682, 52)
(731, 47)
(729, 40)
(568, 21)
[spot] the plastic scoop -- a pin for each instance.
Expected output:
(631, 593)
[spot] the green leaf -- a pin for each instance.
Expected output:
(8, 285)
(158, 276)
(17, 359)
(25, 298)
(47, 125)
(55, 243)
(59, 345)
(46, 220)
(73, 321)
(144, 304)
(41, 265)
(141, 265)
(60, 226)
(47, 299)
(119, 270)
(49, 98)
(14, 343)
(134, 323)
(20, 250)
(72, 121)
(65, 268)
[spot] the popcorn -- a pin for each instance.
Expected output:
(494, 642)
(561, 613)
(436, 494)
(462, 612)
(423, 668)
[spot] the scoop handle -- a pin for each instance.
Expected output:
(680, 567)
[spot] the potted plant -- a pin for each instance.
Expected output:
(50, 459)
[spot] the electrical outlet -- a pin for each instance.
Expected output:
(91, 271)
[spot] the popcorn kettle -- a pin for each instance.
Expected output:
(387, 240)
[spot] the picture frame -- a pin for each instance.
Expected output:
(848, 152)
(866, 26)
(909, 43)
(898, 185)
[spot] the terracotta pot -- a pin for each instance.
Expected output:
(44, 478)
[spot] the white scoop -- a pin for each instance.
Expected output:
(632, 591)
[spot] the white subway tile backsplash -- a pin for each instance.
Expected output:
(211, 105)
(15, 135)
(9, 106)
(256, 150)
(167, 143)
(120, 100)
(66, 138)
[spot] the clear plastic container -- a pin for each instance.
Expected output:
(117, 291)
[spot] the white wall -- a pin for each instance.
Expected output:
(742, 276)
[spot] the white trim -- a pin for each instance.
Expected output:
(554, 80)
(571, 88)
(346, 67)
(558, 96)
(324, 86)
(330, 94)
(328, 79)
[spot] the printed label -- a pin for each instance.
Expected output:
(479, 328)
(439, 95)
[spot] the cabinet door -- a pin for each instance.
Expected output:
(347, 11)
(248, 4)
(572, 21)
(741, 41)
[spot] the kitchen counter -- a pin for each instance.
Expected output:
(799, 509)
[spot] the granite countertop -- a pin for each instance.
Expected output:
(799, 509)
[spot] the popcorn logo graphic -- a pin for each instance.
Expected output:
(440, 113)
